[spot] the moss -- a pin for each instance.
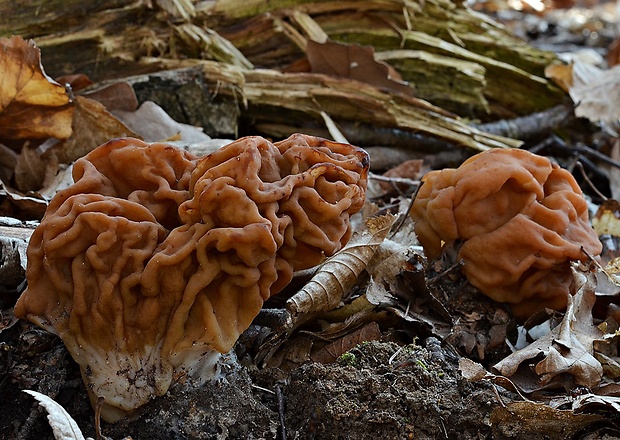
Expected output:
(347, 358)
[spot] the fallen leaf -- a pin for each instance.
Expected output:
(325, 290)
(355, 62)
(611, 365)
(472, 371)
(403, 176)
(28, 206)
(93, 125)
(540, 420)
(62, 179)
(331, 352)
(609, 389)
(323, 294)
(410, 169)
(391, 258)
(596, 92)
(377, 295)
(117, 96)
(31, 170)
(613, 53)
(32, 105)
(153, 124)
(291, 355)
(62, 423)
(8, 159)
(568, 348)
(588, 403)
(76, 81)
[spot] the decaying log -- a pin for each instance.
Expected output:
(265, 95)
(452, 56)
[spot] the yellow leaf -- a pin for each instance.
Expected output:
(32, 105)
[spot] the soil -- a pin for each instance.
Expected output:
(376, 390)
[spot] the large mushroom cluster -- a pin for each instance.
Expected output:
(516, 221)
(154, 261)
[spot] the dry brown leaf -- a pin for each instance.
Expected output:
(32, 105)
(76, 81)
(355, 62)
(8, 159)
(93, 125)
(331, 352)
(28, 206)
(613, 53)
(472, 371)
(325, 290)
(377, 295)
(31, 170)
(117, 96)
(609, 389)
(537, 418)
(291, 355)
(568, 348)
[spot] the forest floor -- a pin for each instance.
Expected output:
(395, 385)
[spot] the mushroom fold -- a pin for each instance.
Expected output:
(517, 220)
(155, 261)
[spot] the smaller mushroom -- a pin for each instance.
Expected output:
(517, 221)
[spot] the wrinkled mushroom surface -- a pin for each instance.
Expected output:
(154, 261)
(519, 220)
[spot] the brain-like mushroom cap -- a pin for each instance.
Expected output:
(521, 220)
(154, 260)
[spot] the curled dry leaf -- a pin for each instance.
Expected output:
(62, 424)
(568, 348)
(325, 290)
(32, 105)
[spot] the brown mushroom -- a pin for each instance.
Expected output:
(517, 220)
(153, 262)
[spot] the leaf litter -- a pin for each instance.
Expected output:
(376, 289)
